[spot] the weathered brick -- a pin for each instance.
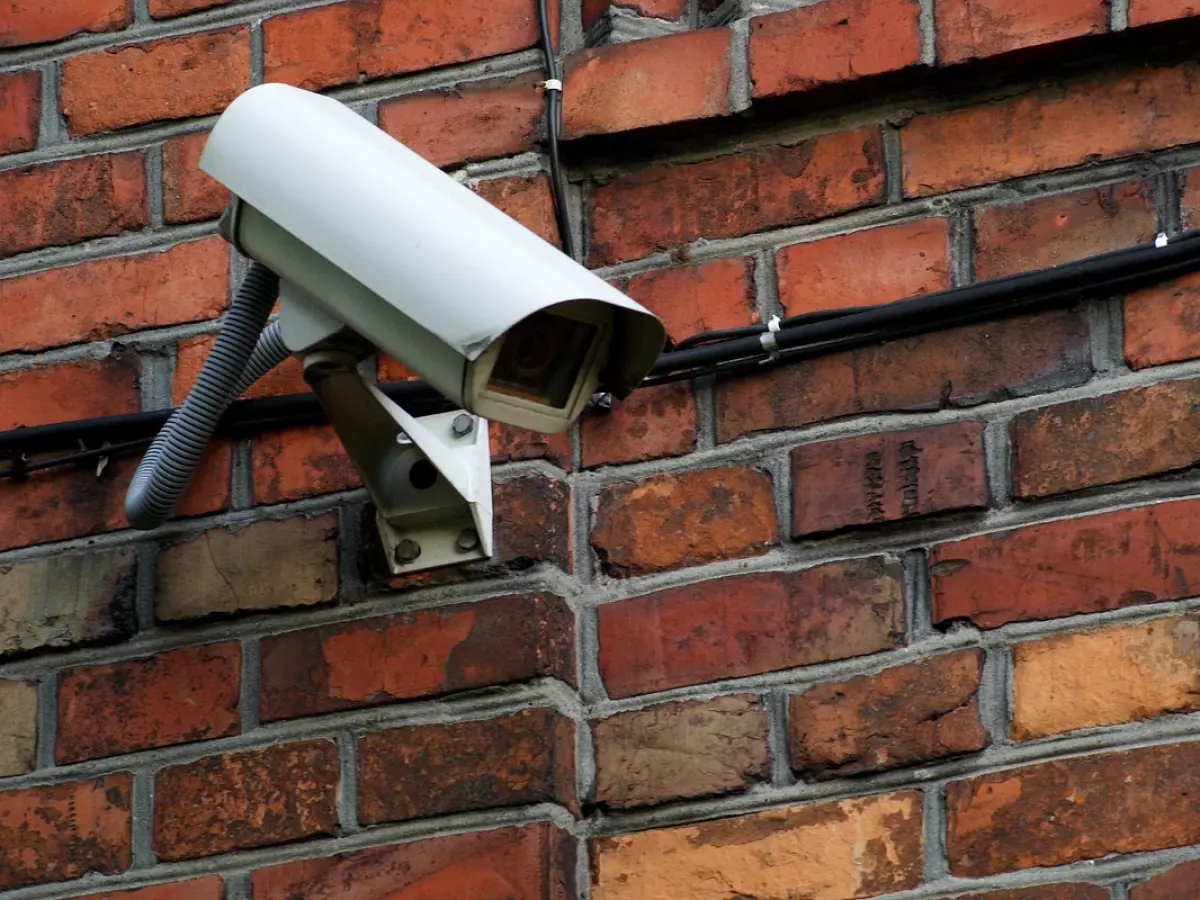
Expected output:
(1178, 883)
(184, 695)
(527, 200)
(1047, 892)
(864, 268)
(1062, 228)
(976, 29)
(1066, 568)
(685, 519)
(959, 367)
(433, 770)
(593, 10)
(467, 123)
(299, 462)
(887, 477)
(536, 862)
(651, 423)
(694, 299)
(510, 444)
(855, 848)
(1105, 440)
(210, 888)
(911, 714)
(176, 78)
(20, 105)
(347, 42)
(63, 392)
(189, 195)
(677, 751)
(285, 378)
(166, 9)
(1144, 12)
(1053, 127)
(18, 727)
(265, 565)
(419, 654)
(65, 831)
(749, 624)
(110, 297)
(73, 200)
(1068, 810)
(67, 599)
(639, 84)
(1118, 674)
(832, 42)
(667, 207)
(41, 21)
(1162, 322)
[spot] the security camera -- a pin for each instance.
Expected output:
(370, 248)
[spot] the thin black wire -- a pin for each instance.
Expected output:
(553, 130)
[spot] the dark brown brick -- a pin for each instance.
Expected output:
(1178, 883)
(1068, 810)
(649, 424)
(419, 654)
(1162, 322)
(241, 800)
(678, 751)
(910, 714)
(20, 102)
(749, 624)
(210, 888)
(1048, 892)
(432, 770)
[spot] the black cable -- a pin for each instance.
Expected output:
(553, 130)
(710, 337)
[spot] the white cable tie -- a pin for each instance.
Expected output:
(552, 84)
(1160, 241)
(769, 342)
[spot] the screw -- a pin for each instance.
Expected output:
(463, 424)
(468, 539)
(407, 551)
(403, 439)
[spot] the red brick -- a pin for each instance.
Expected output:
(265, 565)
(976, 29)
(678, 751)
(1053, 127)
(18, 727)
(688, 519)
(527, 200)
(70, 201)
(1105, 440)
(20, 105)
(510, 444)
(1048, 892)
(176, 78)
(210, 888)
(1066, 568)
(651, 423)
(299, 462)
(864, 268)
(593, 10)
(668, 207)
(749, 624)
(420, 654)
(912, 714)
(1143, 12)
(959, 367)
(189, 195)
(1162, 322)
(176, 697)
(65, 831)
(166, 9)
(256, 798)
(852, 848)
(111, 297)
(347, 42)
(639, 84)
(41, 21)
(468, 123)
(435, 770)
(1069, 810)
(832, 42)
(1050, 231)
(1178, 883)
(536, 862)
(887, 477)
(63, 392)
(695, 299)
(286, 378)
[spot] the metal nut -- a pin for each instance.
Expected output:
(468, 539)
(463, 424)
(407, 551)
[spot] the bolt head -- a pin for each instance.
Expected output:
(407, 551)
(463, 424)
(468, 539)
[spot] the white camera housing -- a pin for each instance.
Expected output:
(375, 246)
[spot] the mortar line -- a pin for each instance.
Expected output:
(704, 396)
(257, 71)
(766, 286)
(241, 475)
(893, 168)
(591, 685)
(347, 794)
(583, 871)
(778, 742)
(997, 460)
(995, 694)
(351, 589)
(1168, 199)
(46, 737)
(52, 130)
(154, 185)
(143, 820)
(937, 863)
(237, 886)
(1118, 892)
(960, 226)
(585, 762)
(917, 603)
(141, 12)
(1118, 13)
(145, 587)
(926, 21)
(250, 688)
(740, 83)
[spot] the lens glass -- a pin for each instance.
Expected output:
(541, 358)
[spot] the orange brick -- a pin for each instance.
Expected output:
(189, 195)
(510, 444)
(1162, 322)
(41, 21)
(648, 424)
(864, 268)
(1143, 12)
(20, 104)
(210, 888)
(658, 9)
(286, 378)
(174, 78)
(707, 297)
(528, 200)
(975, 29)
(166, 9)
(291, 463)
(64, 392)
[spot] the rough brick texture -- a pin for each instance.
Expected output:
(1160, 323)
(692, 300)
(18, 733)
(189, 195)
(652, 423)
(39, 21)
(527, 200)
(1175, 884)
(976, 29)
(20, 103)
(210, 888)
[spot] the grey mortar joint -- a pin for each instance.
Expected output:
(248, 695)
(739, 66)
(995, 694)
(585, 761)
(1106, 335)
(893, 167)
(997, 456)
(143, 819)
(937, 865)
(52, 128)
(241, 478)
(1168, 201)
(917, 602)
(587, 648)
(960, 226)
(257, 66)
(704, 395)
(1118, 13)
(347, 792)
(47, 720)
(238, 887)
(146, 586)
(154, 185)
(925, 19)
(775, 703)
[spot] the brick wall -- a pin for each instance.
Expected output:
(914, 619)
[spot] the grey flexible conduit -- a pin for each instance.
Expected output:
(243, 353)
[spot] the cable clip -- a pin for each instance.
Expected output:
(769, 342)
(553, 84)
